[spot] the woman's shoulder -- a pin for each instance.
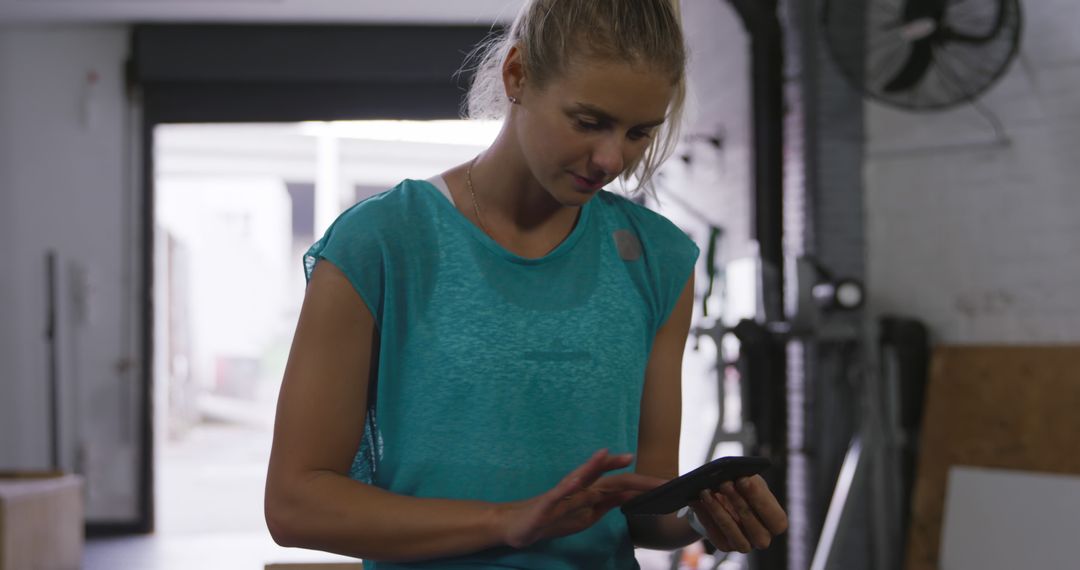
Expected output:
(392, 206)
(625, 212)
(623, 206)
(393, 219)
(407, 193)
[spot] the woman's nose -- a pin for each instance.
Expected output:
(608, 156)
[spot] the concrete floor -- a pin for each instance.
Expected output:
(239, 551)
(210, 509)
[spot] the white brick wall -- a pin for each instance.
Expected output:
(980, 239)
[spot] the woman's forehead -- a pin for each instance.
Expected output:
(628, 93)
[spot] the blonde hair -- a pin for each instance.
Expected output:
(550, 32)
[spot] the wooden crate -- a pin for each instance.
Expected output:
(41, 521)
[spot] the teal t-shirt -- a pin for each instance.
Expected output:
(497, 375)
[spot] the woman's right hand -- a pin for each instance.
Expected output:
(576, 503)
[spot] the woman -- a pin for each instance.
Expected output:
(467, 341)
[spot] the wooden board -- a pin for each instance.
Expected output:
(992, 406)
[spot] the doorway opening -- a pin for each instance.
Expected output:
(236, 206)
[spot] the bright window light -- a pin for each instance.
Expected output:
(473, 133)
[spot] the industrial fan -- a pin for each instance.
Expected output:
(922, 54)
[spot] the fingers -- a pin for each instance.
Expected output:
(760, 537)
(611, 491)
(607, 493)
(577, 501)
(587, 488)
(717, 519)
(745, 514)
(589, 472)
(597, 465)
(572, 481)
(614, 490)
(635, 482)
(756, 492)
(608, 501)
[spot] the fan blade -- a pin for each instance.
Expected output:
(916, 9)
(950, 34)
(922, 55)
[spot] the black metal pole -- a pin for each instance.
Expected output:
(54, 377)
(767, 84)
(770, 354)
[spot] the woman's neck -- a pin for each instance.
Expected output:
(506, 187)
(514, 209)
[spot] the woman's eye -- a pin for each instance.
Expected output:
(638, 135)
(588, 125)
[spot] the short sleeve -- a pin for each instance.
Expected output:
(355, 244)
(666, 259)
(678, 254)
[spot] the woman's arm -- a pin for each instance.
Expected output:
(311, 503)
(737, 516)
(658, 429)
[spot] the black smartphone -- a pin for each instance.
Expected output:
(678, 492)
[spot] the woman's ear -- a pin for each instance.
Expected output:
(513, 73)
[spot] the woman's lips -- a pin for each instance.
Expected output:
(588, 183)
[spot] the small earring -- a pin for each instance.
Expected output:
(513, 100)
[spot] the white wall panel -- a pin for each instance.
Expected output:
(64, 189)
(979, 238)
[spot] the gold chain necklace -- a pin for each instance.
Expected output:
(476, 206)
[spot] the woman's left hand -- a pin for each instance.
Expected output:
(741, 516)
